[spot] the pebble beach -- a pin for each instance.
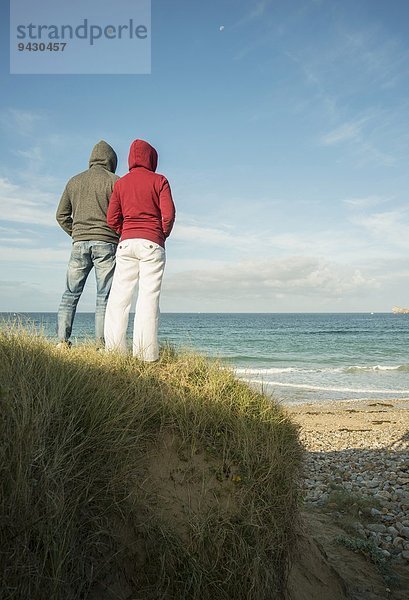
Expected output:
(361, 449)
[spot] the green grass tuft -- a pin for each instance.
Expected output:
(356, 505)
(121, 479)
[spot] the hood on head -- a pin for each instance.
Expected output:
(105, 156)
(142, 154)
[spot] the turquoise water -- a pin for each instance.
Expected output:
(296, 357)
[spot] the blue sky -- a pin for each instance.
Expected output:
(284, 137)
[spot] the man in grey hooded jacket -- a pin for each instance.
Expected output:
(82, 214)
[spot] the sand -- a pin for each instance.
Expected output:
(353, 424)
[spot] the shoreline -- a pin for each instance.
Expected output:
(396, 402)
(288, 401)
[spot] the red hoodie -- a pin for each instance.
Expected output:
(141, 204)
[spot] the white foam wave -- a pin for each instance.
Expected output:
(350, 369)
(377, 368)
(277, 370)
(301, 386)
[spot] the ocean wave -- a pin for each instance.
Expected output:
(278, 370)
(350, 369)
(369, 368)
(301, 386)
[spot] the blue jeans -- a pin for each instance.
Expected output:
(84, 256)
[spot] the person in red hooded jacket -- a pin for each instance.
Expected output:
(142, 212)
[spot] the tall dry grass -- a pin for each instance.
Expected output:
(80, 516)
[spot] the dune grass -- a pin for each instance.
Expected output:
(140, 481)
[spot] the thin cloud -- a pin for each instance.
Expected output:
(33, 155)
(38, 257)
(352, 132)
(22, 296)
(341, 241)
(22, 122)
(343, 133)
(22, 204)
(365, 202)
(184, 232)
(257, 11)
(300, 276)
(389, 227)
(20, 241)
(380, 55)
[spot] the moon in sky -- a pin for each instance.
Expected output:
(221, 28)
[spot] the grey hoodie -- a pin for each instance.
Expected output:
(82, 211)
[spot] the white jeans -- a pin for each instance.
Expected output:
(144, 261)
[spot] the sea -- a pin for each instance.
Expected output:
(296, 358)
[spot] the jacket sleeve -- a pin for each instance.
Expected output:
(167, 208)
(64, 212)
(114, 215)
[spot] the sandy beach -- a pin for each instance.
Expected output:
(371, 424)
(356, 486)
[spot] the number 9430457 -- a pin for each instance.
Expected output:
(42, 47)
